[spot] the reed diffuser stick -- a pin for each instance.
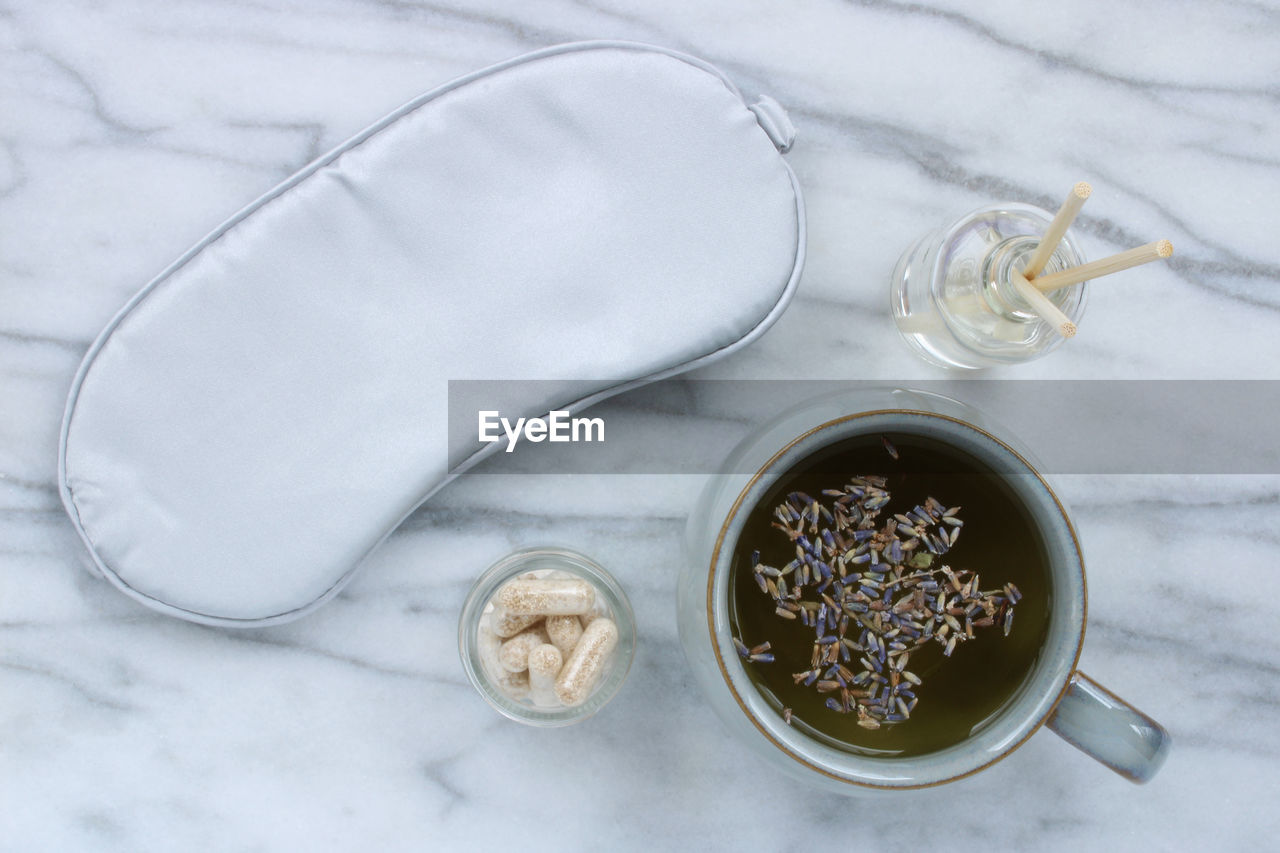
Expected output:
(1105, 266)
(1040, 304)
(1061, 222)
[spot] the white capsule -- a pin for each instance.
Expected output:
(509, 624)
(547, 596)
(589, 659)
(488, 644)
(514, 684)
(514, 654)
(544, 665)
(565, 631)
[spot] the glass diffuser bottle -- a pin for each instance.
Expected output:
(953, 296)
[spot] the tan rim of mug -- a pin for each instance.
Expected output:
(724, 673)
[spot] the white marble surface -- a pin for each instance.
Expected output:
(129, 129)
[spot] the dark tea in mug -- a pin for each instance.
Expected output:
(889, 595)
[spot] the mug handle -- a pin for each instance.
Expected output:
(1102, 725)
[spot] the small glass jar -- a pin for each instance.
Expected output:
(953, 299)
(611, 602)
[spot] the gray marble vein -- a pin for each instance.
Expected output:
(128, 130)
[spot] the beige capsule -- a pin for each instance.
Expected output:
(590, 657)
(544, 665)
(509, 624)
(545, 662)
(565, 631)
(547, 596)
(514, 685)
(514, 654)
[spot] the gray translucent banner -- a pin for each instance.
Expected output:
(686, 426)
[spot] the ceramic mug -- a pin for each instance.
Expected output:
(1054, 694)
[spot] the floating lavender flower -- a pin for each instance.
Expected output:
(873, 590)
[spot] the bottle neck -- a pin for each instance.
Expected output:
(1005, 258)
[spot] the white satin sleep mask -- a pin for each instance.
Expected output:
(261, 415)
